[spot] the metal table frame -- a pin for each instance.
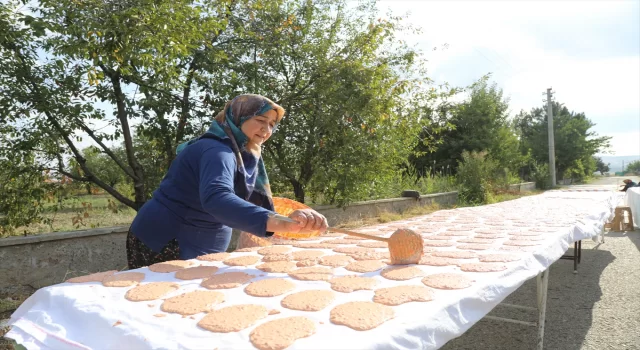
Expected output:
(577, 255)
(542, 284)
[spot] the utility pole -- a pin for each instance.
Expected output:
(552, 146)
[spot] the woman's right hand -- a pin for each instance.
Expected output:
(308, 220)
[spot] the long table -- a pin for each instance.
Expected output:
(91, 316)
(632, 200)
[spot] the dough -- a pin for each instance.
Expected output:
(353, 250)
(276, 257)
(455, 254)
(274, 312)
(281, 333)
(151, 291)
(517, 248)
(192, 302)
(351, 283)
(335, 260)
(402, 273)
(308, 300)
(456, 233)
(447, 281)
(94, 277)
(269, 287)
(438, 238)
(248, 249)
(306, 262)
(277, 266)
(482, 267)
(438, 244)
(474, 246)
(402, 294)
(499, 258)
(524, 233)
(370, 255)
(527, 238)
(341, 241)
(214, 257)
(312, 274)
(196, 272)
(361, 315)
(437, 261)
(488, 237)
(170, 266)
(307, 245)
(274, 250)
(227, 280)
(365, 266)
(307, 254)
(233, 318)
(373, 244)
(242, 260)
(477, 240)
(124, 279)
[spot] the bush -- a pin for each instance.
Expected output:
(474, 176)
(541, 176)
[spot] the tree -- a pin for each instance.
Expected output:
(575, 144)
(480, 123)
(601, 166)
(633, 167)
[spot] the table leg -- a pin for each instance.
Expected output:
(542, 284)
(575, 257)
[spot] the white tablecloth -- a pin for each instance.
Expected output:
(632, 200)
(90, 316)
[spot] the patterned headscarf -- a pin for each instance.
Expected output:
(226, 125)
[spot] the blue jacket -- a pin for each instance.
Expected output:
(196, 202)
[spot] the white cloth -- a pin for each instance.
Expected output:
(632, 200)
(90, 316)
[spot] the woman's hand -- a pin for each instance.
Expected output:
(308, 220)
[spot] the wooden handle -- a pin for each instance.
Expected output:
(358, 234)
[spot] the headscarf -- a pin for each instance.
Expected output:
(226, 125)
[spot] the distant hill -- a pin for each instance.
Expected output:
(615, 162)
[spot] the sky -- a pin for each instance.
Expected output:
(588, 52)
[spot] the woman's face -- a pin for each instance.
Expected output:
(259, 128)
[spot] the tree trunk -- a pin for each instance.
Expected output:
(298, 190)
(87, 186)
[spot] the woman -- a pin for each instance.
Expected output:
(217, 182)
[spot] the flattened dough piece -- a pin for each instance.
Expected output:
(521, 243)
(363, 266)
(308, 300)
(477, 240)
(335, 260)
(94, 277)
(447, 281)
(370, 255)
(124, 279)
(482, 267)
(192, 303)
(454, 254)
(307, 254)
(402, 294)
(274, 250)
(227, 280)
(499, 258)
(270, 287)
(361, 315)
(281, 333)
(277, 266)
(437, 261)
(276, 257)
(438, 243)
(352, 283)
(242, 260)
(197, 272)
(214, 257)
(437, 238)
(306, 262)
(402, 273)
(307, 245)
(373, 244)
(312, 273)
(233, 318)
(474, 246)
(151, 291)
(353, 250)
(170, 266)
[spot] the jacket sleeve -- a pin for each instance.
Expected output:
(218, 198)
